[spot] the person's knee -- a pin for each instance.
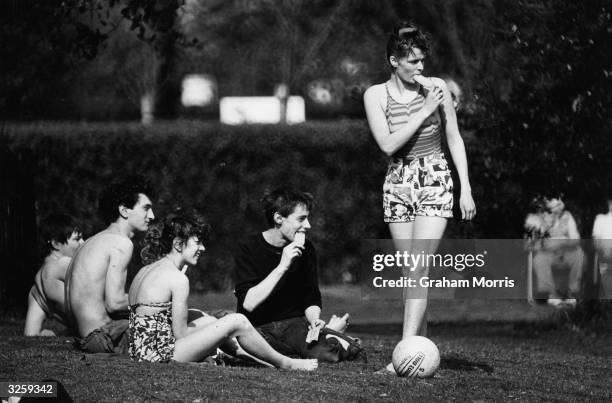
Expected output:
(240, 321)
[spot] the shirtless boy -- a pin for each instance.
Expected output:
(62, 238)
(95, 283)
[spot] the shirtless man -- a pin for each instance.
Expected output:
(95, 282)
(62, 238)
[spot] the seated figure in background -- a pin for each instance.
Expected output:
(555, 242)
(62, 237)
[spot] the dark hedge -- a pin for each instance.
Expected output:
(223, 171)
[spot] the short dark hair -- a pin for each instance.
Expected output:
(283, 200)
(405, 38)
(57, 227)
(123, 192)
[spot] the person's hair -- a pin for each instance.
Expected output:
(161, 235)
(537, 204)
(405, 38)
(183, 227)
(123, 192)
(284, 200)
(57, 227)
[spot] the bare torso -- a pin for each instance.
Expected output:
(50, 280)
(87, 277)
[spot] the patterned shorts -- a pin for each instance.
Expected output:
(421, 186)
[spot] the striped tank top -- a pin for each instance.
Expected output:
(427, 139)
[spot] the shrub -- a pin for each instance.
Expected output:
(223, 170)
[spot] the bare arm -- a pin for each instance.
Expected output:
(258, 294)
(115, 297)
(457, 150)
(180, 293)
(374, 102)
(34, 318)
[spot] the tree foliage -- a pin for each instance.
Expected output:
(44, 42)
(545, 103)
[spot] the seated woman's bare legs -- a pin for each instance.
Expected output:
(206, 339)
(230, 345)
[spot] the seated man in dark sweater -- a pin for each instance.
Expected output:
(277, 283)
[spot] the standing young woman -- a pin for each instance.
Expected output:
(407, 115)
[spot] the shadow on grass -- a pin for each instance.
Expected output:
(478, 329)
(457, 363)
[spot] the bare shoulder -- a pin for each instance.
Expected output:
(375, 92)
(179, 279)
(106, 242)
(168, 273)
(56, 268)
(117, 242)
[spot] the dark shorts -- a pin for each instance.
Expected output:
(288, 337)
(110, 338)
(418, 187)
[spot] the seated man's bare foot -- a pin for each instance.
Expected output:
(338, 324)
(388, 370)
(297, 364)
(47, 333)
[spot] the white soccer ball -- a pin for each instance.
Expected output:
(416, 357)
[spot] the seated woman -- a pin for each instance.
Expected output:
(159, 331)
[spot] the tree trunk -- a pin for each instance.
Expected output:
(147, 108)
(282, 93)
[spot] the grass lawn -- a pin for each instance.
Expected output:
(491, 351)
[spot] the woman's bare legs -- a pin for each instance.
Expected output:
(427, 232)
(206, 339)
(422, 236)
(230, 345)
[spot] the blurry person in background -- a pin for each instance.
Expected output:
(555, 243)
(455, 91)
(408, 115)
(62, 237)
(602, 239)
